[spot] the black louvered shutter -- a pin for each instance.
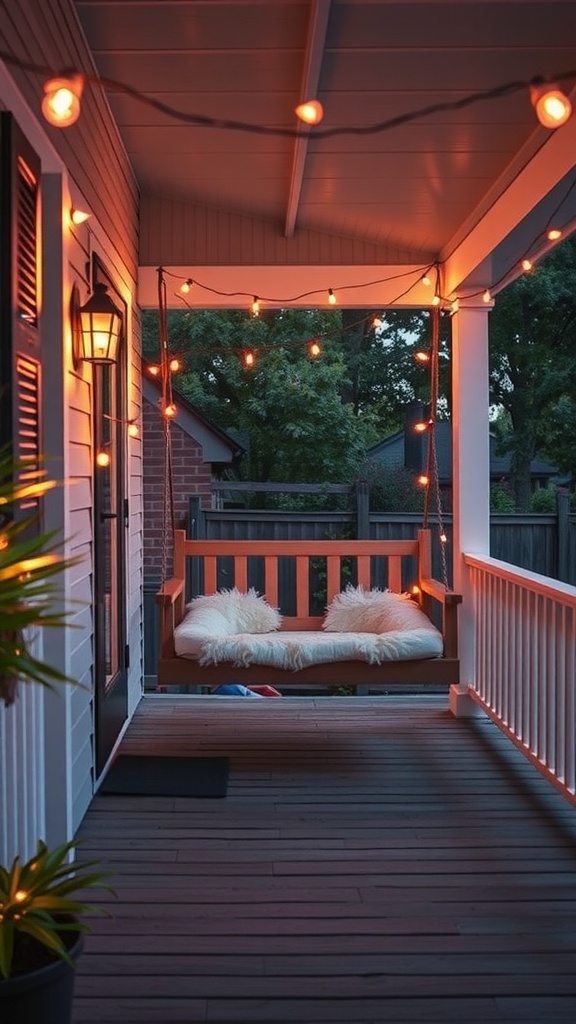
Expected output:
(20, 361)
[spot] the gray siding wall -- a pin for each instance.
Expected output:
(51, 737)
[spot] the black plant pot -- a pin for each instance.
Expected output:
(43, 996)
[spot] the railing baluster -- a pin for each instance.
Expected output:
(526, 663)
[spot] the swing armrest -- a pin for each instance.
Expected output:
(449, 601)
(439, 592)
(170, 591)
(170, 597)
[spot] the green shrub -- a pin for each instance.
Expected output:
(543, 500)
(501, 499)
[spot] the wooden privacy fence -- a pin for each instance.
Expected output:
(545, 544)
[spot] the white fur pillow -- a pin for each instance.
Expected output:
(233, 611)
(356, 610)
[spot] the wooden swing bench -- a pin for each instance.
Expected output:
(376, 564)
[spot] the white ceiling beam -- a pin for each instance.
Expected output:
(317, 28)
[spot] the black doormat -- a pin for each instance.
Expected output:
(142, 775)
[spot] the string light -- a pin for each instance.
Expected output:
(436, 300)
(331, 297)
(256, 306)
(426, 280)
(552, 106)
(310, 112)
(103, 458)
(186, 286)
(377, 322)
(175, 365)
(249, 360)
(526, 265)
(553, 234)
(169, 411)
(421, 356)
(133, 429)
(423, 480)
(78, 216)
(154, 370)
(61, 103)
(557, 107)
(314, 349)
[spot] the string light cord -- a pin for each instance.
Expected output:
(230, 124)
(418, 272)
(169, 519)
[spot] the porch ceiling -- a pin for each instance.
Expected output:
(470, 188)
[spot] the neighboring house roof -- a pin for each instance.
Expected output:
(391, 452)
(217, 446)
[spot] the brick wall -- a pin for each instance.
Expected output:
(190, 475)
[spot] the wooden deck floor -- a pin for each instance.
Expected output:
(375, 860)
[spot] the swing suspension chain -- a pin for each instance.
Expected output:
(168, 519)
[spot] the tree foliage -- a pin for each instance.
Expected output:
(301, 418)
(533, 366)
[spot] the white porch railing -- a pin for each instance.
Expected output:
(525, 662)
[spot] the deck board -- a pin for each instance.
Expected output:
(374, 860)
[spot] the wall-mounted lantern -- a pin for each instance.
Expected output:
(99, 327)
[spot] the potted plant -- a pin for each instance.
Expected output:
(41, 905)
(41, 934)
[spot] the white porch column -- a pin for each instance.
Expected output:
(471, 475)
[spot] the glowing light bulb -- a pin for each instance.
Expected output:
(314, 349)
(415, 590)
(20, 895)
(103, 459)
(61, 103)
(249, 359)
(377, 322)
(443, 538)
(487, 297)
(423, 480)
(175, 365)
(78, 216)
(154, 371)
(527, 265)
(554, 234)
(331, 297)
(256, 306)
(186, 286)
(420, 428)
(170, 411)
(310, 112)
(133, 429)
(421, 356)
(426, 280)
(436, 300)
(552, 106)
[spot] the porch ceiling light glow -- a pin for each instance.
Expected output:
(61, 103)
(100, 327)
(79, 216)
(552, 106)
